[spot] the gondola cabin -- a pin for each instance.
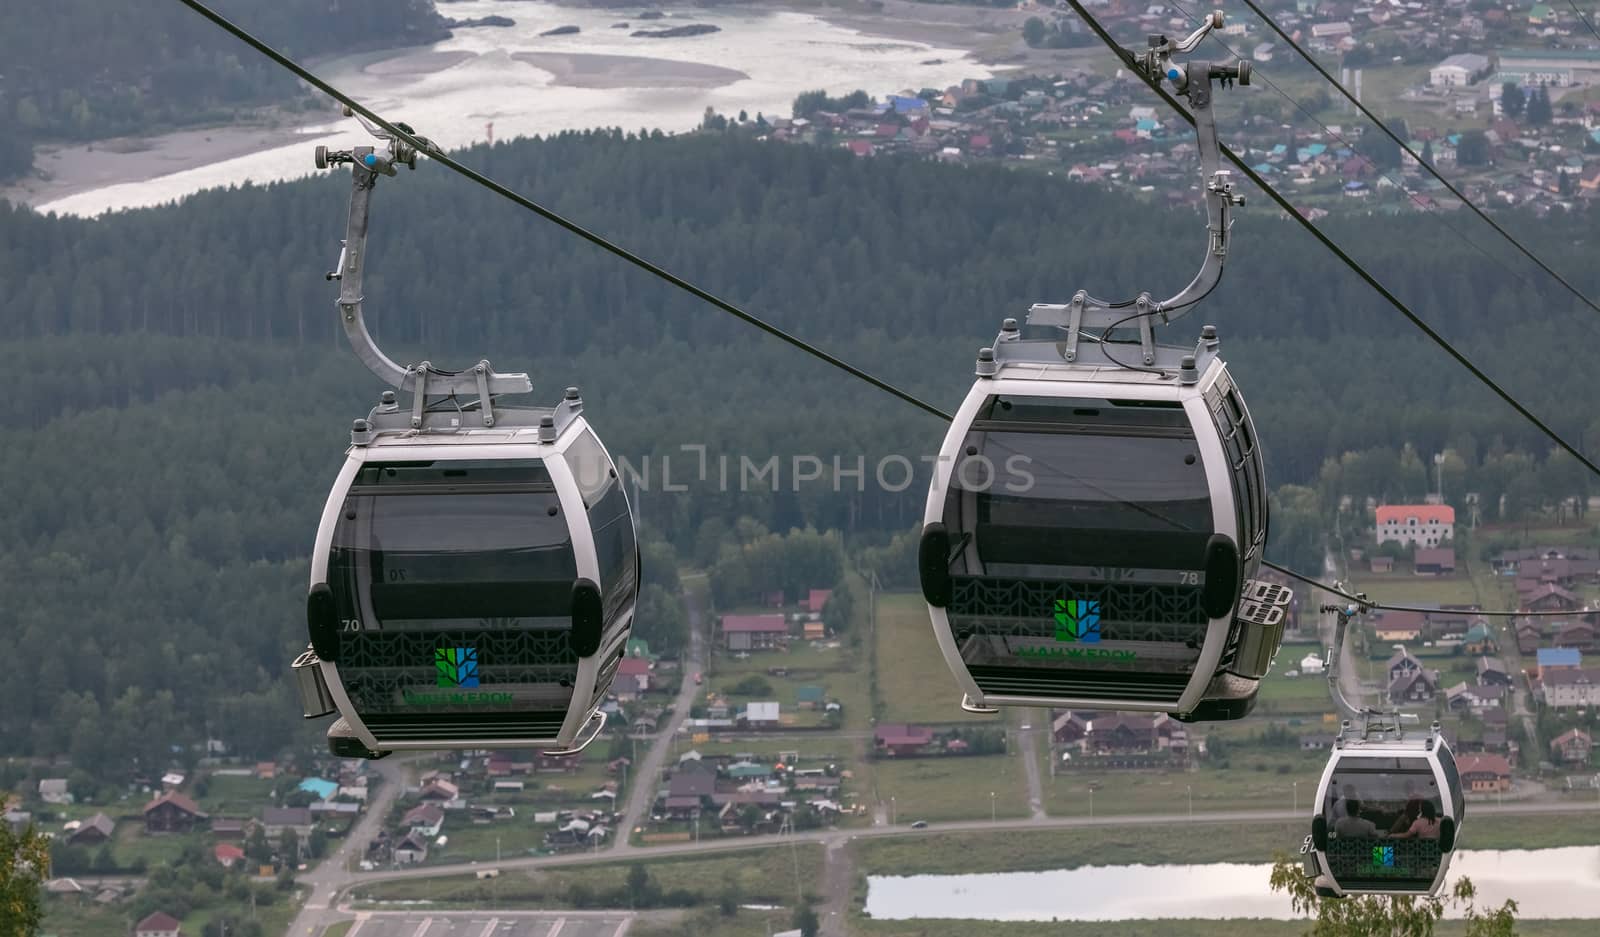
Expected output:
(472, 587)
(1388, 813)
(1092, 531)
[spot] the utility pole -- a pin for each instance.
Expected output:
(991, 806)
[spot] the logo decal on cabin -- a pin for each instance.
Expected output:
(1078, 620)
(457, 667)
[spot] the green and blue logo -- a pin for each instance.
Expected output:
(457, 667)
(1383, 856)
(1078, 620)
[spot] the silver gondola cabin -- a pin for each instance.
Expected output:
(475, 571)
(1388, 812)
(1098, 510)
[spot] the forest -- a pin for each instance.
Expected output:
(186, 396)
(87, 69)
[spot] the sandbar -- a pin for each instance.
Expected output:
(593, 70)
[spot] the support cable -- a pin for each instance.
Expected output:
(433, 152)
(1406, 148)
(1332, 246)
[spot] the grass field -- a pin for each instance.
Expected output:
(1240, 786)
(77, 918)
(949, 788)
(1293, 696)
(760, 876)
(913, 681)
(229, 795)
(1404, 589)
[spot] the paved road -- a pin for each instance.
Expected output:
(333, 875)
(646, 775)
(829, 837)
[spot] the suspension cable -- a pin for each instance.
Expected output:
(1406, 148)
(1259, 75)
(437, 155)
(1332, 246)
(434, 153)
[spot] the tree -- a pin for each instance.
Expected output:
(641, 891)
(1512, 100)
(1427, 152)
(1473, 149)
(1033, 32)
(1388, 916)
(24, 864)
(1539, 111)
(317, 843)
(805, 921)
(289, 847)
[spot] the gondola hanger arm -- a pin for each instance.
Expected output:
(1193, 81)
(367, 164)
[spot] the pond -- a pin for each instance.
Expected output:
(1545, 883)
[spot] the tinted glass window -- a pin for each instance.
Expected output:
(448, 545)
(1383, 822)
(616, 549)
(1081, 482)
(454, 584)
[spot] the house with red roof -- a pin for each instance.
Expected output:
(754, 632)
(227, 854)
(159, 924)
(1421, 525)
(901, 740)
(1484, 772)
(172, 813)
(1573, 747)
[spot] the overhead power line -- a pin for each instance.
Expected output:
(1406, 148)
(1332, 246)
(439, 156)
(435, 154)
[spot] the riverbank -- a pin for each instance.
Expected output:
(65, 170)
(506, 82)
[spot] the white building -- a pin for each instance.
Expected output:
(1563, 688)
(1312, 664)
(1423, 525)
(1458, 70)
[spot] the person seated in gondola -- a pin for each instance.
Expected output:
(1353, 825)
(1407, 816)
(1425, 826)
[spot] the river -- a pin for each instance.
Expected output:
(1545, 883)
(523, 84)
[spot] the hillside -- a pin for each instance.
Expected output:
(187, 402)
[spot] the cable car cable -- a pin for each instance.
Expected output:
(1406, 148)
(433, 152)
(1417, 199)
(438, 155)
(1368, 603)
(1339, 252)
(1584, 19)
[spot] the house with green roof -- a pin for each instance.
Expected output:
(1478, 640)
(810, 697)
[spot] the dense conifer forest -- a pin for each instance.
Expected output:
(181, 397)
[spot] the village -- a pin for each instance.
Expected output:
(1501, 100)
(786, 726)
